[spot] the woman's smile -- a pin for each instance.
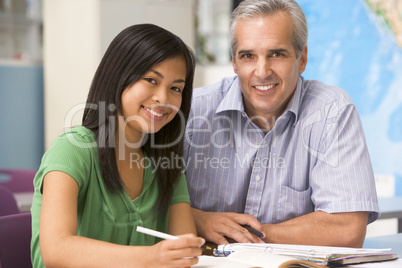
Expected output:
(155, 114)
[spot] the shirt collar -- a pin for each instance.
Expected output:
(233, 100)
(295, 102)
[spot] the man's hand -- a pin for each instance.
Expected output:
(217, 226)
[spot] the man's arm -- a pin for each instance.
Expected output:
(320, 228)
(317, 228)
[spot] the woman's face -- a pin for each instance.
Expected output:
(153, 101)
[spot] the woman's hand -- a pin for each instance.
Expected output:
(180, 252)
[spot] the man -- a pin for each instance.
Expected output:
(268, 149)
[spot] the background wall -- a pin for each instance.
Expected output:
(353, 44)
(76, 35)
(357, 45)
(21, 84)
(21, 121)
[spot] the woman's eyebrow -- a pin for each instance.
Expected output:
(161, 76)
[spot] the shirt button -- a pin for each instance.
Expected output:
(257, 178)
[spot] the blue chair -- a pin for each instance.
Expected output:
(8, 204)
(15, 240)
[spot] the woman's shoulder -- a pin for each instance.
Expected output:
(75, 142)
(80, 133)
(73, 152)
(79, 137)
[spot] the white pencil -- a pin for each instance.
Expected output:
(155, 233)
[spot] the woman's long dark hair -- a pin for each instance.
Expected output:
(130, 55)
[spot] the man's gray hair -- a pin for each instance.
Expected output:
(248, 9)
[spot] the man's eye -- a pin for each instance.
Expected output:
(277, 54)
(246, 56)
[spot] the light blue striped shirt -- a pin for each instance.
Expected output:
(315, 158)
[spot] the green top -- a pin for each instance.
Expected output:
(101, 215)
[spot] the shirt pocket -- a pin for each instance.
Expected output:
(292, 203)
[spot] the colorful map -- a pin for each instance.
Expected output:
(391, 12)
(357, 45)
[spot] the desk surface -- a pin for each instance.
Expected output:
(390, 207)
(387, 241)
(24, 201)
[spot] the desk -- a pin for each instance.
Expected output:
(386, 241)
(389, 241)
(391, 207)
(24, 201)
(222, 262)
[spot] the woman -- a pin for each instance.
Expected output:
(101, 180)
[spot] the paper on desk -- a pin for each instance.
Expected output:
(295, 250)
(385, 264)
(217, 262)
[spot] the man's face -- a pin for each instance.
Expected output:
(266, 64)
